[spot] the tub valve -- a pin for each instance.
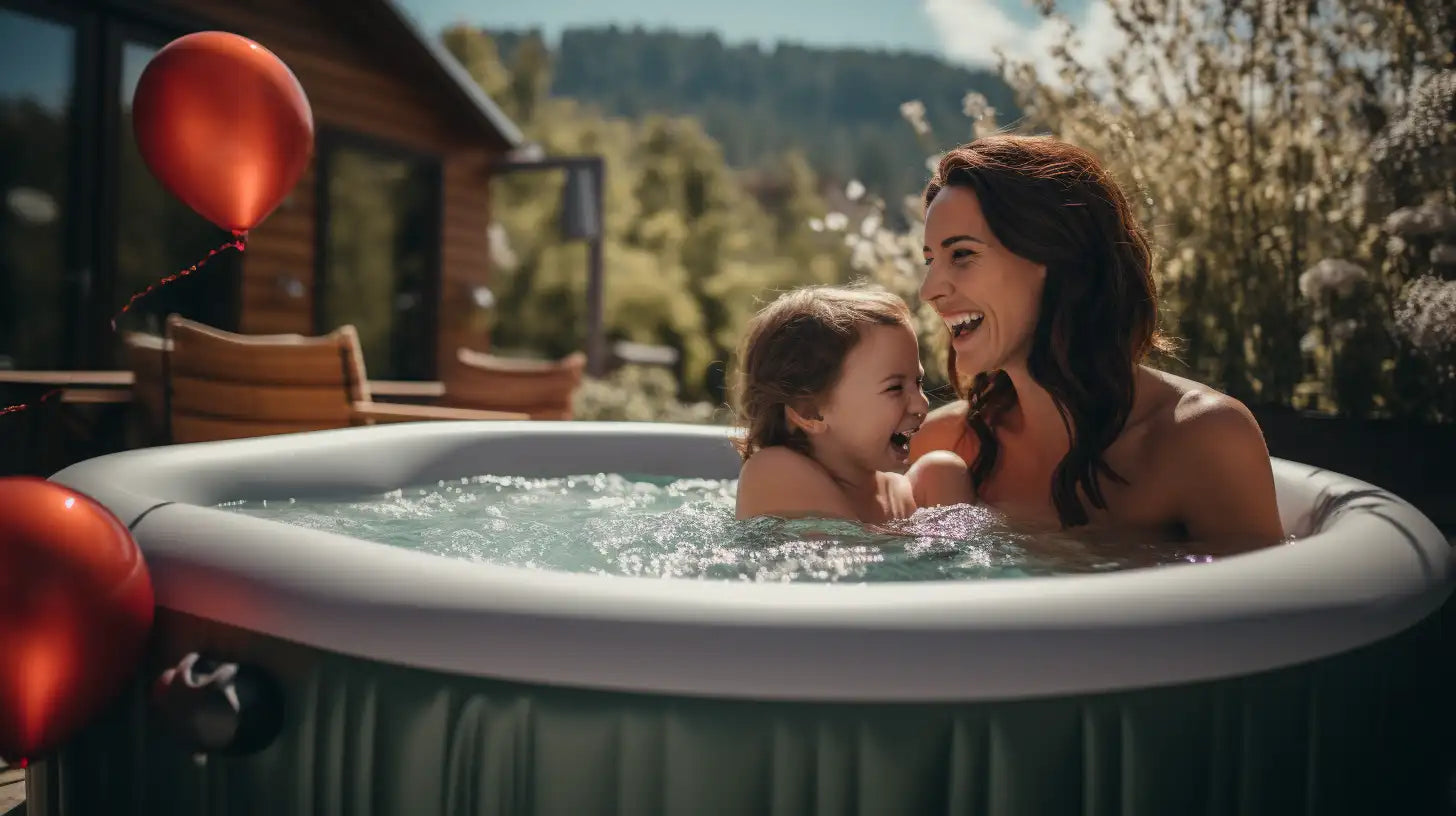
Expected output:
(219, 707)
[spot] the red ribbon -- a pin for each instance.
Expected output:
(239, 242)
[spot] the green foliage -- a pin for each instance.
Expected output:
(1268, 158)
(828, 104)
(642, 394)
(688, 243)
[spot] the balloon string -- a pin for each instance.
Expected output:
(11, 409)
(239, 242)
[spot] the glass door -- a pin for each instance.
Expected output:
(39, 54)
(83, 223)
(378, 252)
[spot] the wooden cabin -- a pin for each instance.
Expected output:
(387, 230)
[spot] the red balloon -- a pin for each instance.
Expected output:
(75, 609)
(224, 125)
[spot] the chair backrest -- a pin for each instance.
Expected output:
(542, 388)
(228, 386)
(145, 355)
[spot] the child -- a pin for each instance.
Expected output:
(829, 392)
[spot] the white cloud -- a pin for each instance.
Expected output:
(971, 31)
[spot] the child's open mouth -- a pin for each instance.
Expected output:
(963, 323)
(900, 441)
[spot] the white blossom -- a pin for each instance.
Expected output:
(870, 225)
(855, 190)
(502, 256)
(1426, 314)
(1330, 275)
(863, 256)
(975, 106)
(836, 221)
(914, 113)
(1425, 219)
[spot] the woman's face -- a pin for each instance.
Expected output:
(988, 296)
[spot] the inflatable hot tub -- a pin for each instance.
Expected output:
(1308, 678)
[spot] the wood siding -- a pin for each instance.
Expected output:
(353, 85)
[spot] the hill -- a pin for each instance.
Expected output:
(838, 107)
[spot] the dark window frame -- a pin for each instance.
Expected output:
(90, 278)
(328, 139)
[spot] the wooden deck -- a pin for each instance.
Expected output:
(12, 790)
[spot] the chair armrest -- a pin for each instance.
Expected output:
(398, 412)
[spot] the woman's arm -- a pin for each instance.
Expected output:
(1223, 478)
(783, 483)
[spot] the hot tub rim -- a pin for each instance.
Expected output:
(1156, 621)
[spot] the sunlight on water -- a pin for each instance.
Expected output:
(684, 528)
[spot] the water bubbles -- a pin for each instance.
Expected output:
(663, 527)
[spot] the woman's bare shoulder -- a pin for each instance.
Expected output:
(944, 429)
(1210, 451)
(1184, 409)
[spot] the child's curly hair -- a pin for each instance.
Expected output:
(793, 352)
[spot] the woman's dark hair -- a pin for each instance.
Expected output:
(794, 352)
(1054, 204)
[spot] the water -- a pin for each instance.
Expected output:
(684, 528)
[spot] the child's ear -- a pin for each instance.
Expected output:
(804, 416)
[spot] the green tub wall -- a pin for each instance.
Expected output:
(1367, 732)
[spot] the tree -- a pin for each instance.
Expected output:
(688, 247)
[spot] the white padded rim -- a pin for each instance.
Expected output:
(1374, 567)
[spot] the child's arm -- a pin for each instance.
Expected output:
(783, 483)
(940, 478)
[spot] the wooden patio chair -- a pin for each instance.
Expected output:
(145, 355)
(542, 388)
(222, 385)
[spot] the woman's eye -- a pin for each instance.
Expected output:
(893, 388)
(962, 254)
(928, 260)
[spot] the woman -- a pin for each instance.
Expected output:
(1045, 282)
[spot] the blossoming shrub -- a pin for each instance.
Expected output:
(1297, 165)
(1301, 199)
(635, 393)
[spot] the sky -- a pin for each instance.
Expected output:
(964, 32)
(960, 31)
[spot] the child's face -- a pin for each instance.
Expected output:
(877, 404)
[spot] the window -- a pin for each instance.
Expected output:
(83, 224)
(378, 258)
(37, 115)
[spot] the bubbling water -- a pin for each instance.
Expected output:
(617, 524)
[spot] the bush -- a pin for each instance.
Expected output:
(1303, 204)
(1282, 154)
(642, 394)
